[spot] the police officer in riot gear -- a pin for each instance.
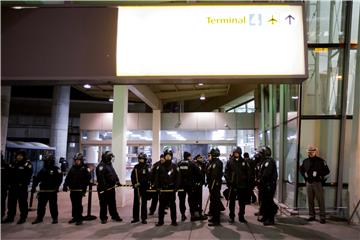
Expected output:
(153, 173)
(259, 158)
(239, 177)
(214, 180)
(314, 169)
(167, 182)
(188, 172)
(50, 178)
(107, 182)
(140, 177)
(77, 180)
(20, 173)
(199, 181)
(267, 182)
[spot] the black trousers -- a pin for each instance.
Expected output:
(215, 203)
(191, 202)
(107, 200)
(136, 204)
(198, 198)
(43, 198)
(154, 201)
(76, 203)
(240, 195)
(167, 199)
(4, 193)
(268, 208)
(18, 193)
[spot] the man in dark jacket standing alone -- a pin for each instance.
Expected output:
(314, 170)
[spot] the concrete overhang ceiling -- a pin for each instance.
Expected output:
(216, 94)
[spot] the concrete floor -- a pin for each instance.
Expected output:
(286, 227)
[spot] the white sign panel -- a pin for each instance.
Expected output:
(218, 40)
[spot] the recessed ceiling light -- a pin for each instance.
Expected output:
(295, 97)
(200, 84)
(111, 99)
(202, 97)
(87, 86)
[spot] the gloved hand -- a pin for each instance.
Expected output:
(137, 185)
(65, 188)
(118, 184)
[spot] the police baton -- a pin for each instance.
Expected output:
(208, 199)
(116, 186)
(165, 190)
(138, 190)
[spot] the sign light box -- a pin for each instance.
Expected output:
(221, 41)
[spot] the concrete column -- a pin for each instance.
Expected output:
(92, 153)
(156, 127)
(119, 141)
(5, 106)
(60, 120)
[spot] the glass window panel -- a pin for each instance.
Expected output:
(324, 20)
(290, 151)
(251, 106)
(355, 21)
(321, 93)
(292, 93)
(290, 154)
(188, 135)
(351, 83)
(329, 195)
(325, 135)
(289, 194)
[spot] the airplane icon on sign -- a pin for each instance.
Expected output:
(272, 20)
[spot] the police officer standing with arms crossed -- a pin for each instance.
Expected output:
(77, 180)
(20, 173)
(268, 177)
(314, 169)
(140, 177)
(107, 182)
(50, 178)
(214, 180)
(238, 175)
(167, 182)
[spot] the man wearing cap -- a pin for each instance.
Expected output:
(314, 170)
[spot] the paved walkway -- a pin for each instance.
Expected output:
(285, 228)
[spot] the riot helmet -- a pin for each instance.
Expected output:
(107, 157)
(237, 152)
(142, 157)
(187, 155)
(49, 160)
(168, 152)
(214, 153)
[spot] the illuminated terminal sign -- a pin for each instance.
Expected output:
(228, 42)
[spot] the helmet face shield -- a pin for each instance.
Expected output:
(168, 154)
